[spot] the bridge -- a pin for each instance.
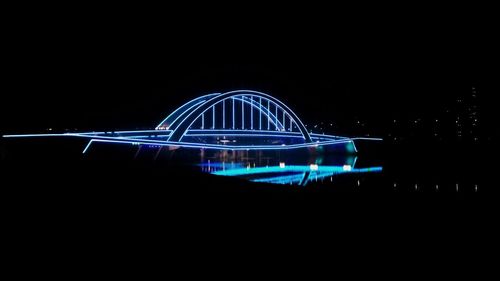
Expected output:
(235, 120)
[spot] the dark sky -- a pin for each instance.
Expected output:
(118, 74)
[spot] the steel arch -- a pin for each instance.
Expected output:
(191, 114)
(182, 111)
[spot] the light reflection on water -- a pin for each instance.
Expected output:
(363, 172)
(399, 172)
(283, 168)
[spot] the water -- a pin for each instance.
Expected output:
(174, 189)
(289, 168)
(395, 171)
(392, 169)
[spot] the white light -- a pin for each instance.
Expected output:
(282, 165)
(313, 167)
(347, 168)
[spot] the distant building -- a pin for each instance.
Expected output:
(467, 116)
(457, 120)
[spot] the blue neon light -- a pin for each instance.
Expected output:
(271, 118)
(212, 146)
(268, 114)
(293, 169)
(181, 120)
(251, 113)
(96, 138)
(181, 129)
(284, 121)
(182, 109)
(180, 115)
(276, 115)
(268, 119)
(87, 147)
(260, 115)
(33, 135)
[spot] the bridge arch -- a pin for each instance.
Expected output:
(183, 118)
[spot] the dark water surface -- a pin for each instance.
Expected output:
(392, 169)
(114, 197)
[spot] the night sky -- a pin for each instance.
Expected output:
(107, 74)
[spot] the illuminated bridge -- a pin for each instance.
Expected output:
(235, 120)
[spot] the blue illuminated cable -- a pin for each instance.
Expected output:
(242, 113)
(251, 113)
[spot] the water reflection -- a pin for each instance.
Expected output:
(283, 168)
(363, 173)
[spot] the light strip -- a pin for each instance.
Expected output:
(270, 117)
(33, 135)
(251, 113)
(268, 110)
(190, 118)
(294, 169)
(268, 114)
(247, 131)
(354, 146)
(362, 138)
(197, 145)
(125, 132)
(182, 108)
(87, 147)
(276, 116)
(192, 131)
(272, 134)
(260, 115)
(284, 121)
(216, 146)
(185, 111)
